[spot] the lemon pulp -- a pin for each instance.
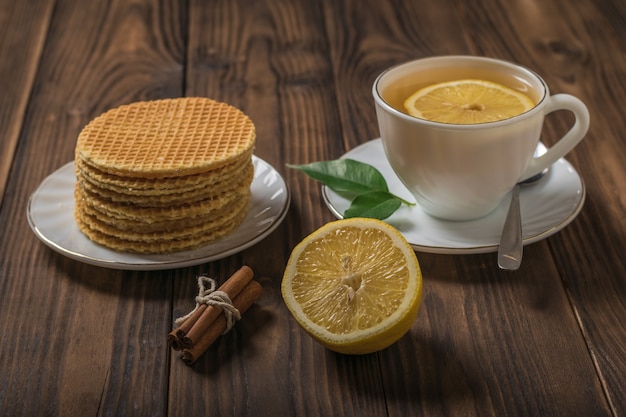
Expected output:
(354, 285)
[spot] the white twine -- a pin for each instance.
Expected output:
(207, 294)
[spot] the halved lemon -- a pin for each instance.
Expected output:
(467, 102)
(354, 285)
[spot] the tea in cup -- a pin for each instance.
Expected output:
(461, 131)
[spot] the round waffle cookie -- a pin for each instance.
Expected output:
(166, 138)
(163, 176)
(170, 197)
(160, 246)
(162, 186)
(188, 229)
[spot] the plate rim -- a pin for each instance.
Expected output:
(450, 250)
(148, 265)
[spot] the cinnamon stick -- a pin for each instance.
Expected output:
(176, 336)
(191, 329)
(242, 302)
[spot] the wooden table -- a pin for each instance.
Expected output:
(78, 339)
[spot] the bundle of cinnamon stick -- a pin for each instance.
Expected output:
(207, 322)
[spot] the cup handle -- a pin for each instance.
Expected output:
(568, 141)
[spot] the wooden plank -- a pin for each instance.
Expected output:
(596, 283)
(23, 27)
(269, 58)
(566, 53)
(500, 319)
(364, 43)
(82, 340)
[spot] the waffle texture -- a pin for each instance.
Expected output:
(165, 175)
(166, 138)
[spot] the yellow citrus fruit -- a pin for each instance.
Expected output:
(354, 285)
(467, 102)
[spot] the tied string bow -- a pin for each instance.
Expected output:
(207, 294)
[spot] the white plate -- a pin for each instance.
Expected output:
(546, 208)
(51, 216)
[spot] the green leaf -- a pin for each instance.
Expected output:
(345, 175)
(375, 204)
(366, 183)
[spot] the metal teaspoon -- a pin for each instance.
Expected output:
(511, 241)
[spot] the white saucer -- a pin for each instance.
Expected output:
(546, 208)
(51, 216)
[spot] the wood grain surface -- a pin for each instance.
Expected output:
(75, 339)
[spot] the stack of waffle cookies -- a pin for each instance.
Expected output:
(164, 176)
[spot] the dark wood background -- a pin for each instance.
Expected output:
(547, 340)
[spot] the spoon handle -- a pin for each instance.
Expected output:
(511, 247)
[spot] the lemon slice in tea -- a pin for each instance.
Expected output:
(354, 285)
(467, 102)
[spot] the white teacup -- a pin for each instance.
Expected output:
(462, 171)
